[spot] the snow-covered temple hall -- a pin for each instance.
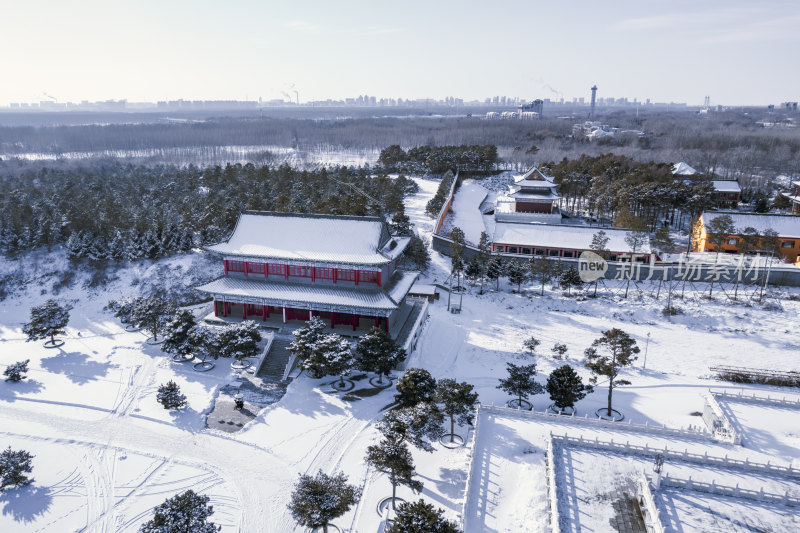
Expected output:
(290, 266)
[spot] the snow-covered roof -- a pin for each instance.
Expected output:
(534, 175)
(783, 225)
(561, 236)
(314, 295)
(548, 196)
(308, 237)
(726, 186)
(420, 288)
(683, 169)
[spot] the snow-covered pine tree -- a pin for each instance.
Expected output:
(394, 459)
(306, 337)
(570, 278)
(14, 465)
(416, 385)
(238, 340)
(566, 387)
(16, 372)
(517, 273)
(457, 401)
(495, 269)
(187, 512)
(176, 333)
(317, 500)
(151, 313)
(47, 320)
(421, 517)
(330, 355)
(117, 247)
(520, 382)
(378, 352)
(169, 395)
(414, 425)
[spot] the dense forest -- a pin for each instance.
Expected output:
(118, 211)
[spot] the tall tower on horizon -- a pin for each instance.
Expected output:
(594, 95)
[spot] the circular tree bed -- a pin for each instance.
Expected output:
(152, 342)
(602, 413)
(179, 358)
(343, 386)
(131, 327)
(387, 503)
(385, 385)
(457, 442)
(56, 343)
(332, 528)
(204, 366)
(520, 404)
(241, 365)
(567, 411)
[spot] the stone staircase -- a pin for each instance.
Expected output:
(275, 363)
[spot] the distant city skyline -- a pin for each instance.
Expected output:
(736, 52)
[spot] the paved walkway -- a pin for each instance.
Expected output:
(627, 514)
(258, 393)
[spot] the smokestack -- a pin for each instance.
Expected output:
(594, 94)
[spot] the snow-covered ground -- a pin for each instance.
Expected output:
(106, 452)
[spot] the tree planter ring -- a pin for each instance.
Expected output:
(387, 502)
(567, 411)
(332, 528)
(132, 328)
(525, 405)
(347, 386)
(151, 342)
(57, 343)
(458, 441)
(241, 365)
(385, 385)
(178, 358)
(616, 416)
(204, 366)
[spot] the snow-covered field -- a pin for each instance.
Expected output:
(106, 452)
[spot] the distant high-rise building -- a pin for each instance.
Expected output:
(594, 95)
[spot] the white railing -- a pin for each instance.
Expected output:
(289, 367)
(753, 398)
(648, 506)
(684, 456)
(687, 433)
(470, 468)
(734, 492)
(718, 423)
(413, 335)
(552, 488)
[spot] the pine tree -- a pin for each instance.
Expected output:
(545, 270)
(306, 337)
(457, 247)
(16, 372)
(517, 274)
(331, 355)
(187, 512)
(474, 270)
(47, 320)
(520, 382)
(317, 500)
(400, 224)
(417, 253)
(14, 465)
(415, 386)
(421, 517)
(530, 344)
(169, 395)
(239, 341)
(559, 350)
(621, 352)
(413, 425)
(393, 459)
(151, 313)
(565, 387)
(377, 352)
(570, 278)
(494, 270)
(458, 401)
(176, 333)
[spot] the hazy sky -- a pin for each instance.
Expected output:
(738, 52)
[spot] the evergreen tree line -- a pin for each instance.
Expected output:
(609, 184)
(114, 212)
(439, 159)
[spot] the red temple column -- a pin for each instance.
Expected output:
(266, 270)
(333, 319)
(264, 313)
(286, 271)
(246, 268)
(358, 275)
(224, 308)
(377, 321)
(355, 321)
(386, 325)
(244, 311)
(379, 277)
(216, 311)
(313, 274)
(225, 266)
(335, 274)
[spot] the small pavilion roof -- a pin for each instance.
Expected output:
(683, 169)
